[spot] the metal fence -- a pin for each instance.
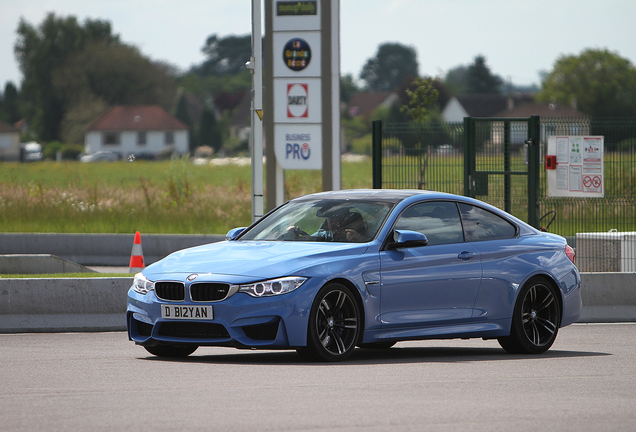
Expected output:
(435, 156)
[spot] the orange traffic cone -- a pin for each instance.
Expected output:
(136, 256)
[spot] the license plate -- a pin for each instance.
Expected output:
(187, 312)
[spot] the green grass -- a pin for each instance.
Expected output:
(165, 197)
(617, 210)
(178, 197)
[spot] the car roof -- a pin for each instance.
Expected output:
(387, 195)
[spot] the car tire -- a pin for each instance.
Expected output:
(171, 350)
(535, 320)
(335, 325)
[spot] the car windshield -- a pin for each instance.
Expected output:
(332, 220)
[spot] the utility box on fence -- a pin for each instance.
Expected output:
(606, 252)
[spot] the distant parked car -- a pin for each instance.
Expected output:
(445, 149)
(327, 272)
(100, 156)
(143, 156)
(32, 152)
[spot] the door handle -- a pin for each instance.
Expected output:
(466, 255)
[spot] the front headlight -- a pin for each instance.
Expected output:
(273, 286)
(142, 285)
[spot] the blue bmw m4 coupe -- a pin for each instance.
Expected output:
(328, 272)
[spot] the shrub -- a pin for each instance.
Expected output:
(49, 150)
(72, 151)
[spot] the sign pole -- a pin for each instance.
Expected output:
(302, 94)
(256, 67)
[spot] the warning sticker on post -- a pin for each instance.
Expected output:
(579, 166)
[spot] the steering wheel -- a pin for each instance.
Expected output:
(297, 232)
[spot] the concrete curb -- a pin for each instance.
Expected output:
(39, 263)
(99, 304)
(608, 297)
(100, 249)
(60, 305)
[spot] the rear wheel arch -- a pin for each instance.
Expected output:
(536, 317)
(552, 282)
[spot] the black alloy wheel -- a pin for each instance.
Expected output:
(334, 325)
(536, 319)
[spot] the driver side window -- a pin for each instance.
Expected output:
(438, 221)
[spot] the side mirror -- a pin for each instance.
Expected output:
(407, 239)
(234, 233)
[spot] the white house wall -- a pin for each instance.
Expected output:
(9, 146)
(454, 111)
(155, 143)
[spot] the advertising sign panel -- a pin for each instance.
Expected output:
(296, 54)
(578, 171)
(299, 146)
(297, 100)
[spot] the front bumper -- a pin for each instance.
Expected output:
(240, 321)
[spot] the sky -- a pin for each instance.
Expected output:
(520, 39)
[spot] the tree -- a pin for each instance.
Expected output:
(9, 104)
(599, 82)
(225, 55)
(480, 80)
(72, 73)
(209, 131)
(422, 98)
(348, 87)
(391, 65)
(120, 75)
(181, 113)
(40, 51)
(456, 80)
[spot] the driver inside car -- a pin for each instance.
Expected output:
(342, 225)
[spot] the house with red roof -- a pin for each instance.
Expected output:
(144, 129)
(9, 142)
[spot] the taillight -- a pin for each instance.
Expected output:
(570, 253)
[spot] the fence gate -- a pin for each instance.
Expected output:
(501, 164)
(496, 160)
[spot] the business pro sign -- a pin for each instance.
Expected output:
(298, 146)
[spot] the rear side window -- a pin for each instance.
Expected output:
(480, 224)
(438, 221)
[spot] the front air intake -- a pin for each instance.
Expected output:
(205, 292)
(171, 291)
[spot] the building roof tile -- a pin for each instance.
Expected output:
(7, 128)
(141, 118)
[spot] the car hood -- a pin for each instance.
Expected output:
(253, 259)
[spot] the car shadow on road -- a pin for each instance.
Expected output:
(396, 354)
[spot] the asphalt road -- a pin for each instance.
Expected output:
(102, 382)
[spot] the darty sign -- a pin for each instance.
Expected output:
(297, 101)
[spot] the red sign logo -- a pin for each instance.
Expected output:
(297, 100)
